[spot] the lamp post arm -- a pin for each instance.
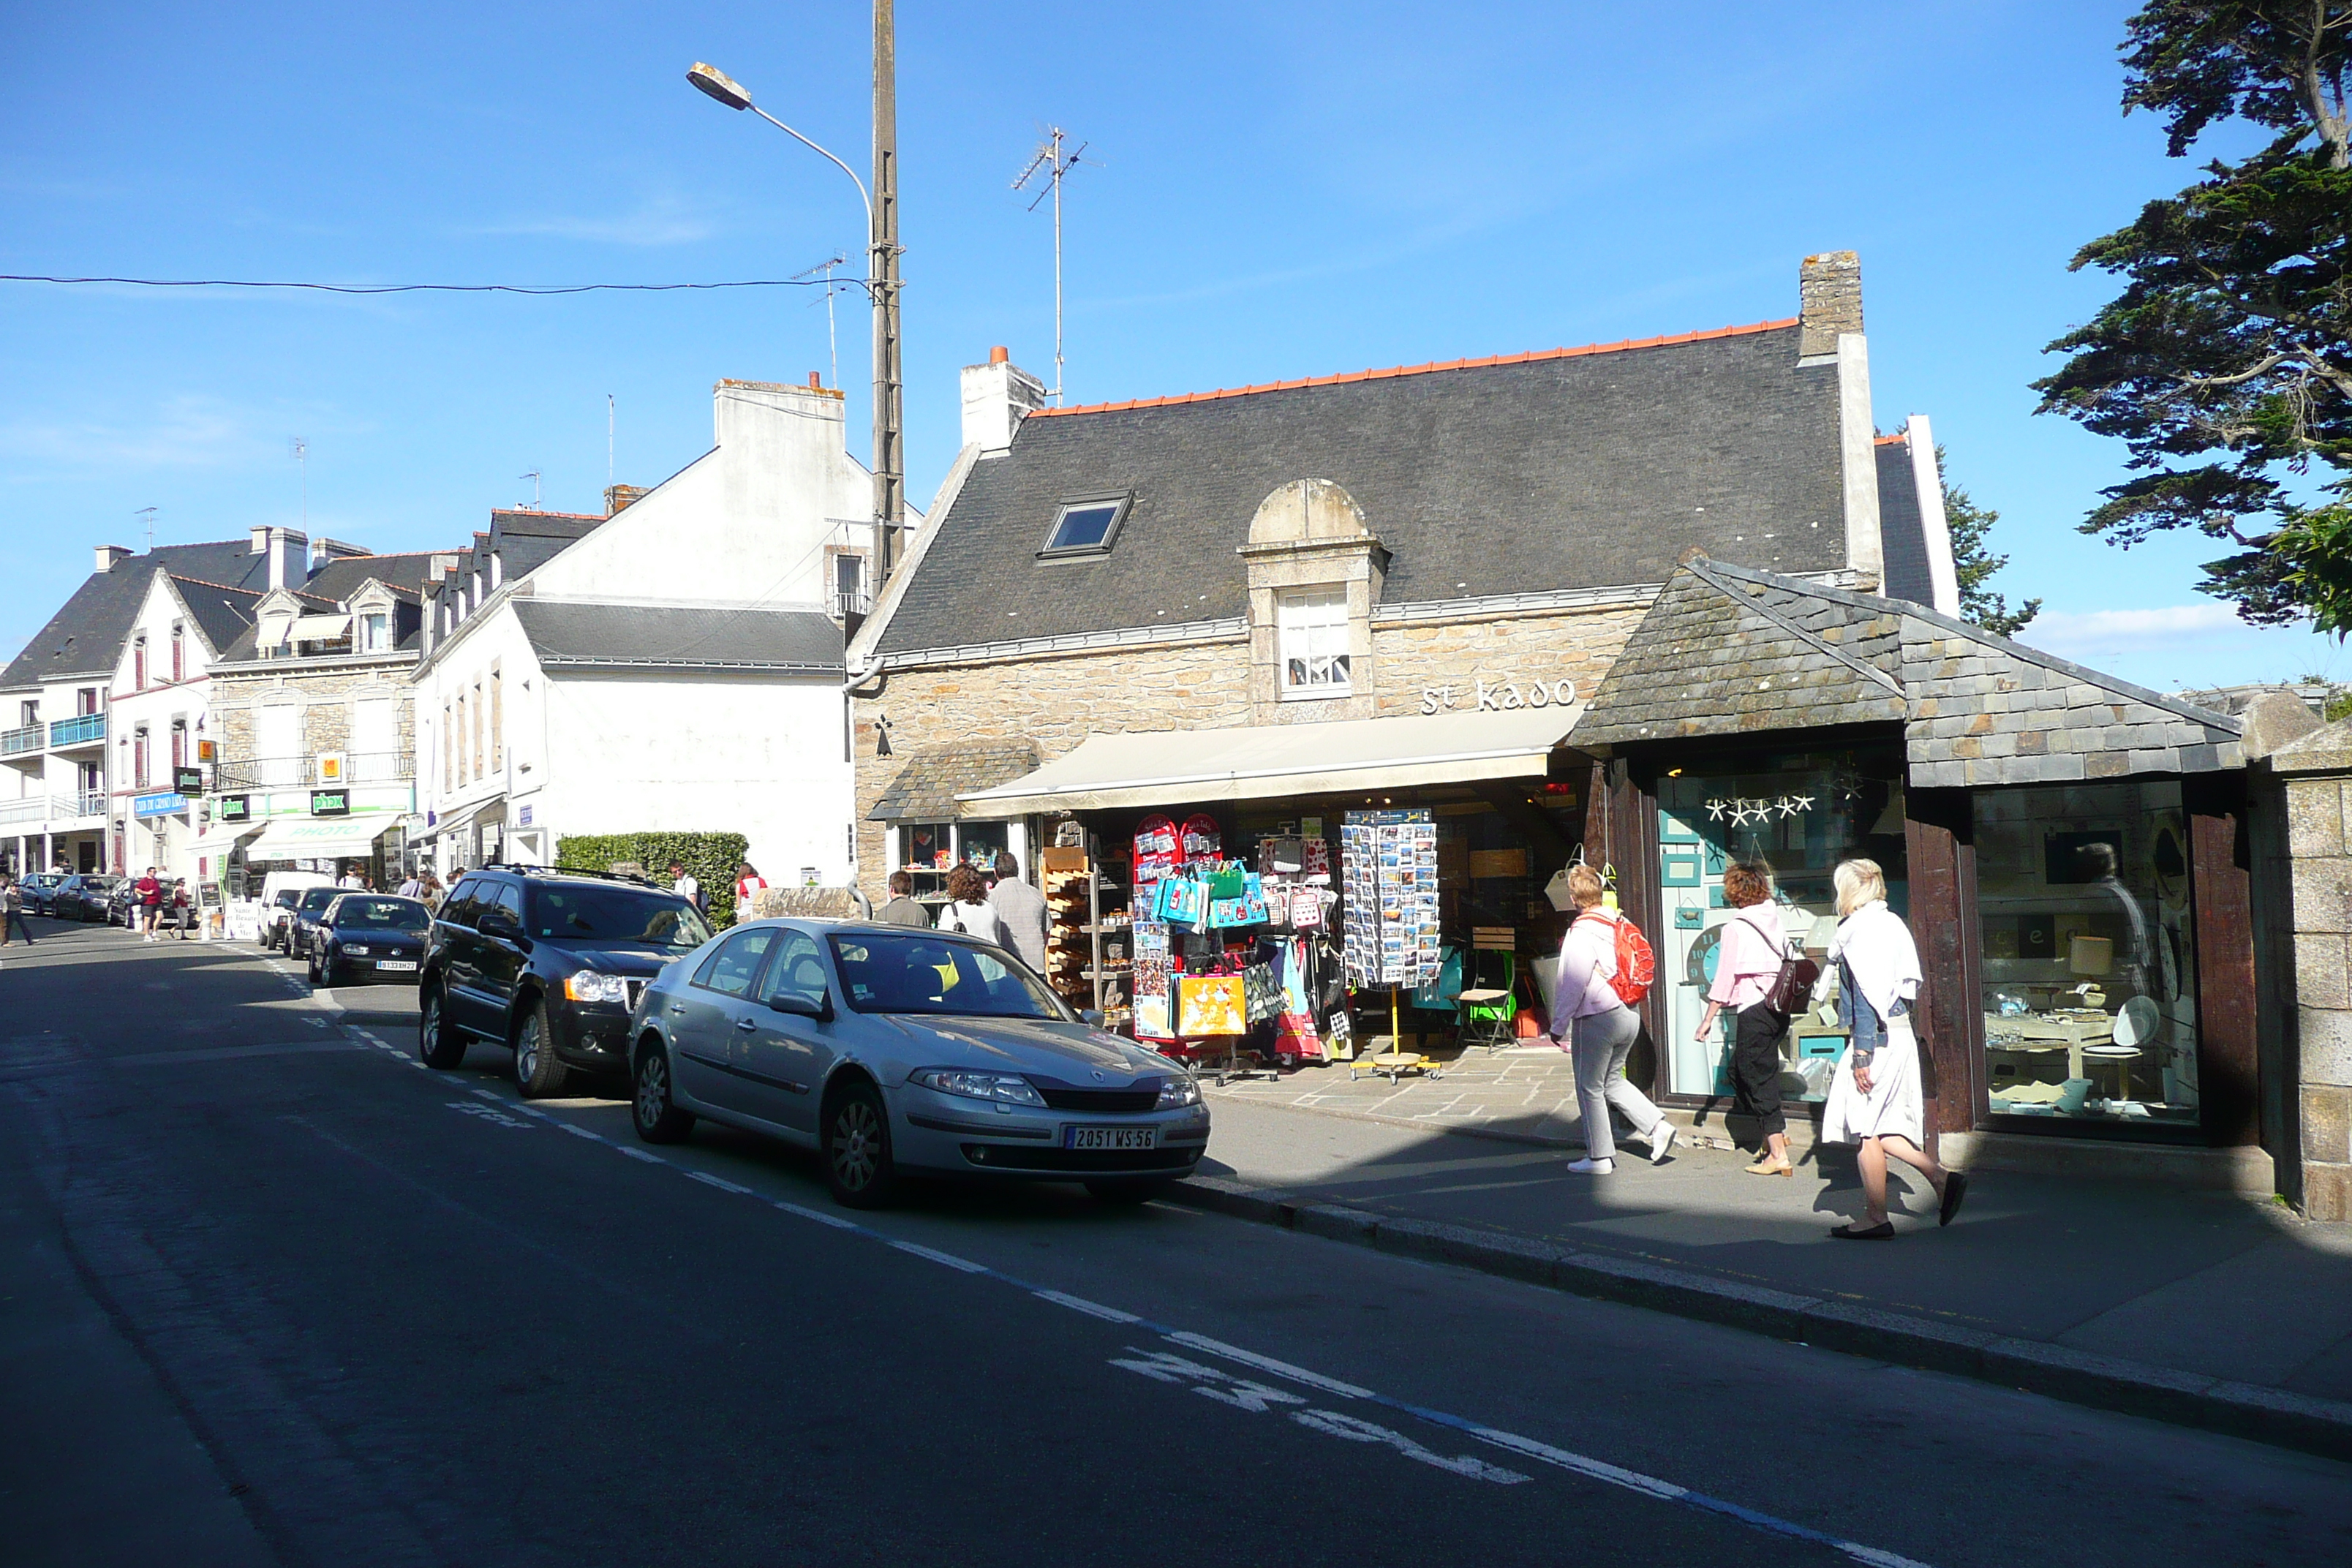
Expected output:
(829, 157)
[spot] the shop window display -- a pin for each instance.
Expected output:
(2089, 955)
(1798, 814)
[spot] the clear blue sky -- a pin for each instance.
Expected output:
(1286, 191)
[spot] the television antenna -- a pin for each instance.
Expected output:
(146, 514)
(1054, 168)
(533, 478)
(832, 341)
(302, 457)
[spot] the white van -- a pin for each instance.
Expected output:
(276, 911)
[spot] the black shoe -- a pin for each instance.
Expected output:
(1956, 1193)
(1882, 1231)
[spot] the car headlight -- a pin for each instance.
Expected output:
(356, 951)
(980, 1085)
(1175, 1093)
(591, 985)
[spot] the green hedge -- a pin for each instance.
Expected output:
(712, 859)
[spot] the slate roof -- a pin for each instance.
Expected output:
(1770, 653)
(566, 634)
(85, 637)
(338, 579)
(1902, 534)
(1583, 469)
(221, 614)
(926, 789)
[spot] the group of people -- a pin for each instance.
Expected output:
(1874, 1099)
(1011, 913)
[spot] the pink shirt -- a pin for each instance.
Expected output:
(1749, 959)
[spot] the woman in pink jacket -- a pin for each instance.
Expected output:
(1601, 1030)
(1748, 962)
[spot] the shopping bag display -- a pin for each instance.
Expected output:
(1210, 1005)
(1182, 901)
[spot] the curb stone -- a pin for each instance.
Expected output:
(2273, 1415)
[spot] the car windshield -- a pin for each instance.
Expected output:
(617, 916)
(381, 914)
(886, 972)
(316, 899)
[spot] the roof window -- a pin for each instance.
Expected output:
(1086, 527)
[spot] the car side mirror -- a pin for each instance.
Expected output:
(497, 922)
(1091, 1016)
(819, 1006)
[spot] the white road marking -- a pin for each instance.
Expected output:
(487, 1113)
(950, 1258)
(579, 1131)
(834, 1220)
(633, 1152)
(721, 1182)
(1268, 1363)
(1360, 1431)
(1080, 1304)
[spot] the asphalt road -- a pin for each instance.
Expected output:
(277, 1293)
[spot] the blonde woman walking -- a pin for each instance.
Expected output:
(1600, 1031)
(1875, 1099)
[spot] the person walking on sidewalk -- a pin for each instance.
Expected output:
(147, 904)
(1022, 911)
(969, 909)
(904, 908)
(1601, 1030)
(1754, 946)
(12, 912)
(1874, 1099)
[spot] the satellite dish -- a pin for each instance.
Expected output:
(2138, 1023)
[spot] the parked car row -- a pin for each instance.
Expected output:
(84, 896)
(888, 1051)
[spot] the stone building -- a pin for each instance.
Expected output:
(1407, 544)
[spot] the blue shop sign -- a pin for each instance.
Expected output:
(169, 803)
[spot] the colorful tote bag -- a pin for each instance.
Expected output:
(1210, 1005)
(1181, 901)
(1261, 992)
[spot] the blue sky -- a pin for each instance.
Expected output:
(1285, 191)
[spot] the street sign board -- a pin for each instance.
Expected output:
(165, 803)
(233, 809)
(188, 781)
(331, 803)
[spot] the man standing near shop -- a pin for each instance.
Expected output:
(904, 908)
(1021, 908)
(684, 885)
(148, 892)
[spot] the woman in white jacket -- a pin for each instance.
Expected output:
(1875, 1099)
(1600, 1029)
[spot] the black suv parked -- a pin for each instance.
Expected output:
(549, 962)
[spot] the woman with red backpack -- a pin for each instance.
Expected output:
(1605, 967)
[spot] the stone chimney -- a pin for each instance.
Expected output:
(996, 398)
(285, 547)
(109, 556)
(1828, 301)
(618, 497)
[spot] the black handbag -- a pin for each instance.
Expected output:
(1792, 988)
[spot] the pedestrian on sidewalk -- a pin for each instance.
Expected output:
(147, 903)
(1875, 1099)
(1601, 1030)
(904, 908)
(1022, 911)
(1747, 963)
(969, 909)
(181, 911)
(748, 884)
(12, 912)
(428, 891)
(413, 887)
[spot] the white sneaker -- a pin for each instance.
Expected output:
(1592, 1167)
(1660, 1142)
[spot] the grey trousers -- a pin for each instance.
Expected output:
(1600, 1045)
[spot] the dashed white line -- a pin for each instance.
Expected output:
(963, 1264)
(635, 1153)
(1091, 1308)
(1268, 1363)
(834, 1220)
(721, 1182)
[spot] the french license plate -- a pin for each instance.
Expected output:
(1110, 1138)
(395, 966)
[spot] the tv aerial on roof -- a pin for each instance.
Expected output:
(833, 342)
(1050, 167)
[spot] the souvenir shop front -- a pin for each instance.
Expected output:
(1271, 897)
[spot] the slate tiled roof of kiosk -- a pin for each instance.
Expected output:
(926, 788)
(1726, 650)
(1574, 469)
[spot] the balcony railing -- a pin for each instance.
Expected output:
(32, 808)
(89, 802)
(302, 772)
(80, 731)
(29, 739)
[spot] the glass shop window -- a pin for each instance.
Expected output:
(2090, 958)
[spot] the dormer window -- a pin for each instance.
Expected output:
(1311, 639)
(1086, 527)
(375, 632)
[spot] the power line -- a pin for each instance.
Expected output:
(438, 287)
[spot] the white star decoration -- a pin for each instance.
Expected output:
(1714, 810)
(1790, 804)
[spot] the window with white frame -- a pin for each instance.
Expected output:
(375, 632)
(1311, 641)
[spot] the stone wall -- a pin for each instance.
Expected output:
(1057, 701)
(325, 695)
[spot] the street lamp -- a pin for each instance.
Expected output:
(881, 266)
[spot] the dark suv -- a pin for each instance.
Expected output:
(547, 962)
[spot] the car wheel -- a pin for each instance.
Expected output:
(656, 1117)
(857, 1165)
(536, 1069)
(438, 1045)
(311, 965)
(1127, 1194)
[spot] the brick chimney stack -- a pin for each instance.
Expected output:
(1828, 301)
(109, 556)
(617, 498)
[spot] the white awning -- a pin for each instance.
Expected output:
(460, 818)
(222, 837)
(1262, 762)
(321, 628)
(320, 837)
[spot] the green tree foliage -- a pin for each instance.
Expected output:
(713, 859)
(2224, 363)
(1973, 562)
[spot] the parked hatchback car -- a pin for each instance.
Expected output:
(890, 1049)
(302, 920)
(366, 938)
(547, 962)
(83, 896)
(39, 890)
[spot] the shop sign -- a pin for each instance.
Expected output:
(188, 781)
(165, 802)
(1497, 697)
(233, 809)
(331, 803)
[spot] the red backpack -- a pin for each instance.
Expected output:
(1637, 966)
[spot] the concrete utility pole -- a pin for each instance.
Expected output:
(890, 464)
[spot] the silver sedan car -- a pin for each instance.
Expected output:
(892, 1049)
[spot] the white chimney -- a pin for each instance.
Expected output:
(109, 556)
(996, 398)
(290, 554)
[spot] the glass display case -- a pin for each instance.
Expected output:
(2089, 956)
